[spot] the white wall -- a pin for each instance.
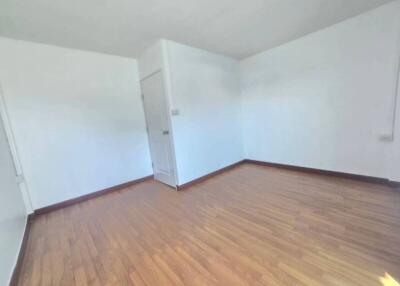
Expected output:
(77, 118)
(205, 90)
(393, 156)
(12, 212)
(324, 100)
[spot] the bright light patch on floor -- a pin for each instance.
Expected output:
(388, 280)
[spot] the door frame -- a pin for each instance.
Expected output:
(19, 173)
(166, 94)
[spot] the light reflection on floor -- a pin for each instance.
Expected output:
(388, 280)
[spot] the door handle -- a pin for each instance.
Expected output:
(165, 132)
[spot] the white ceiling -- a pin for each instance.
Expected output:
(237, 28)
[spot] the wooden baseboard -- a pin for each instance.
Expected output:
(64, 204)
(89, 196)
(363, 178)
(394, 184)
(203, 178)
(18, 266)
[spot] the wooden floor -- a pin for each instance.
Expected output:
(252, 225)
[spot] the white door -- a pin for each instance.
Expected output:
(155, 106)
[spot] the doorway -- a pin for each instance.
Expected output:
(158, 130)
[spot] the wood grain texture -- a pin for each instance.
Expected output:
(251, 225)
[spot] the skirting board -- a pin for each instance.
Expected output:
(89, 196)
(208, 176)
(203, 178)
(17, 269)
(363, 178)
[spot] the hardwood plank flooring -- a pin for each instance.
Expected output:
(251, 225)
